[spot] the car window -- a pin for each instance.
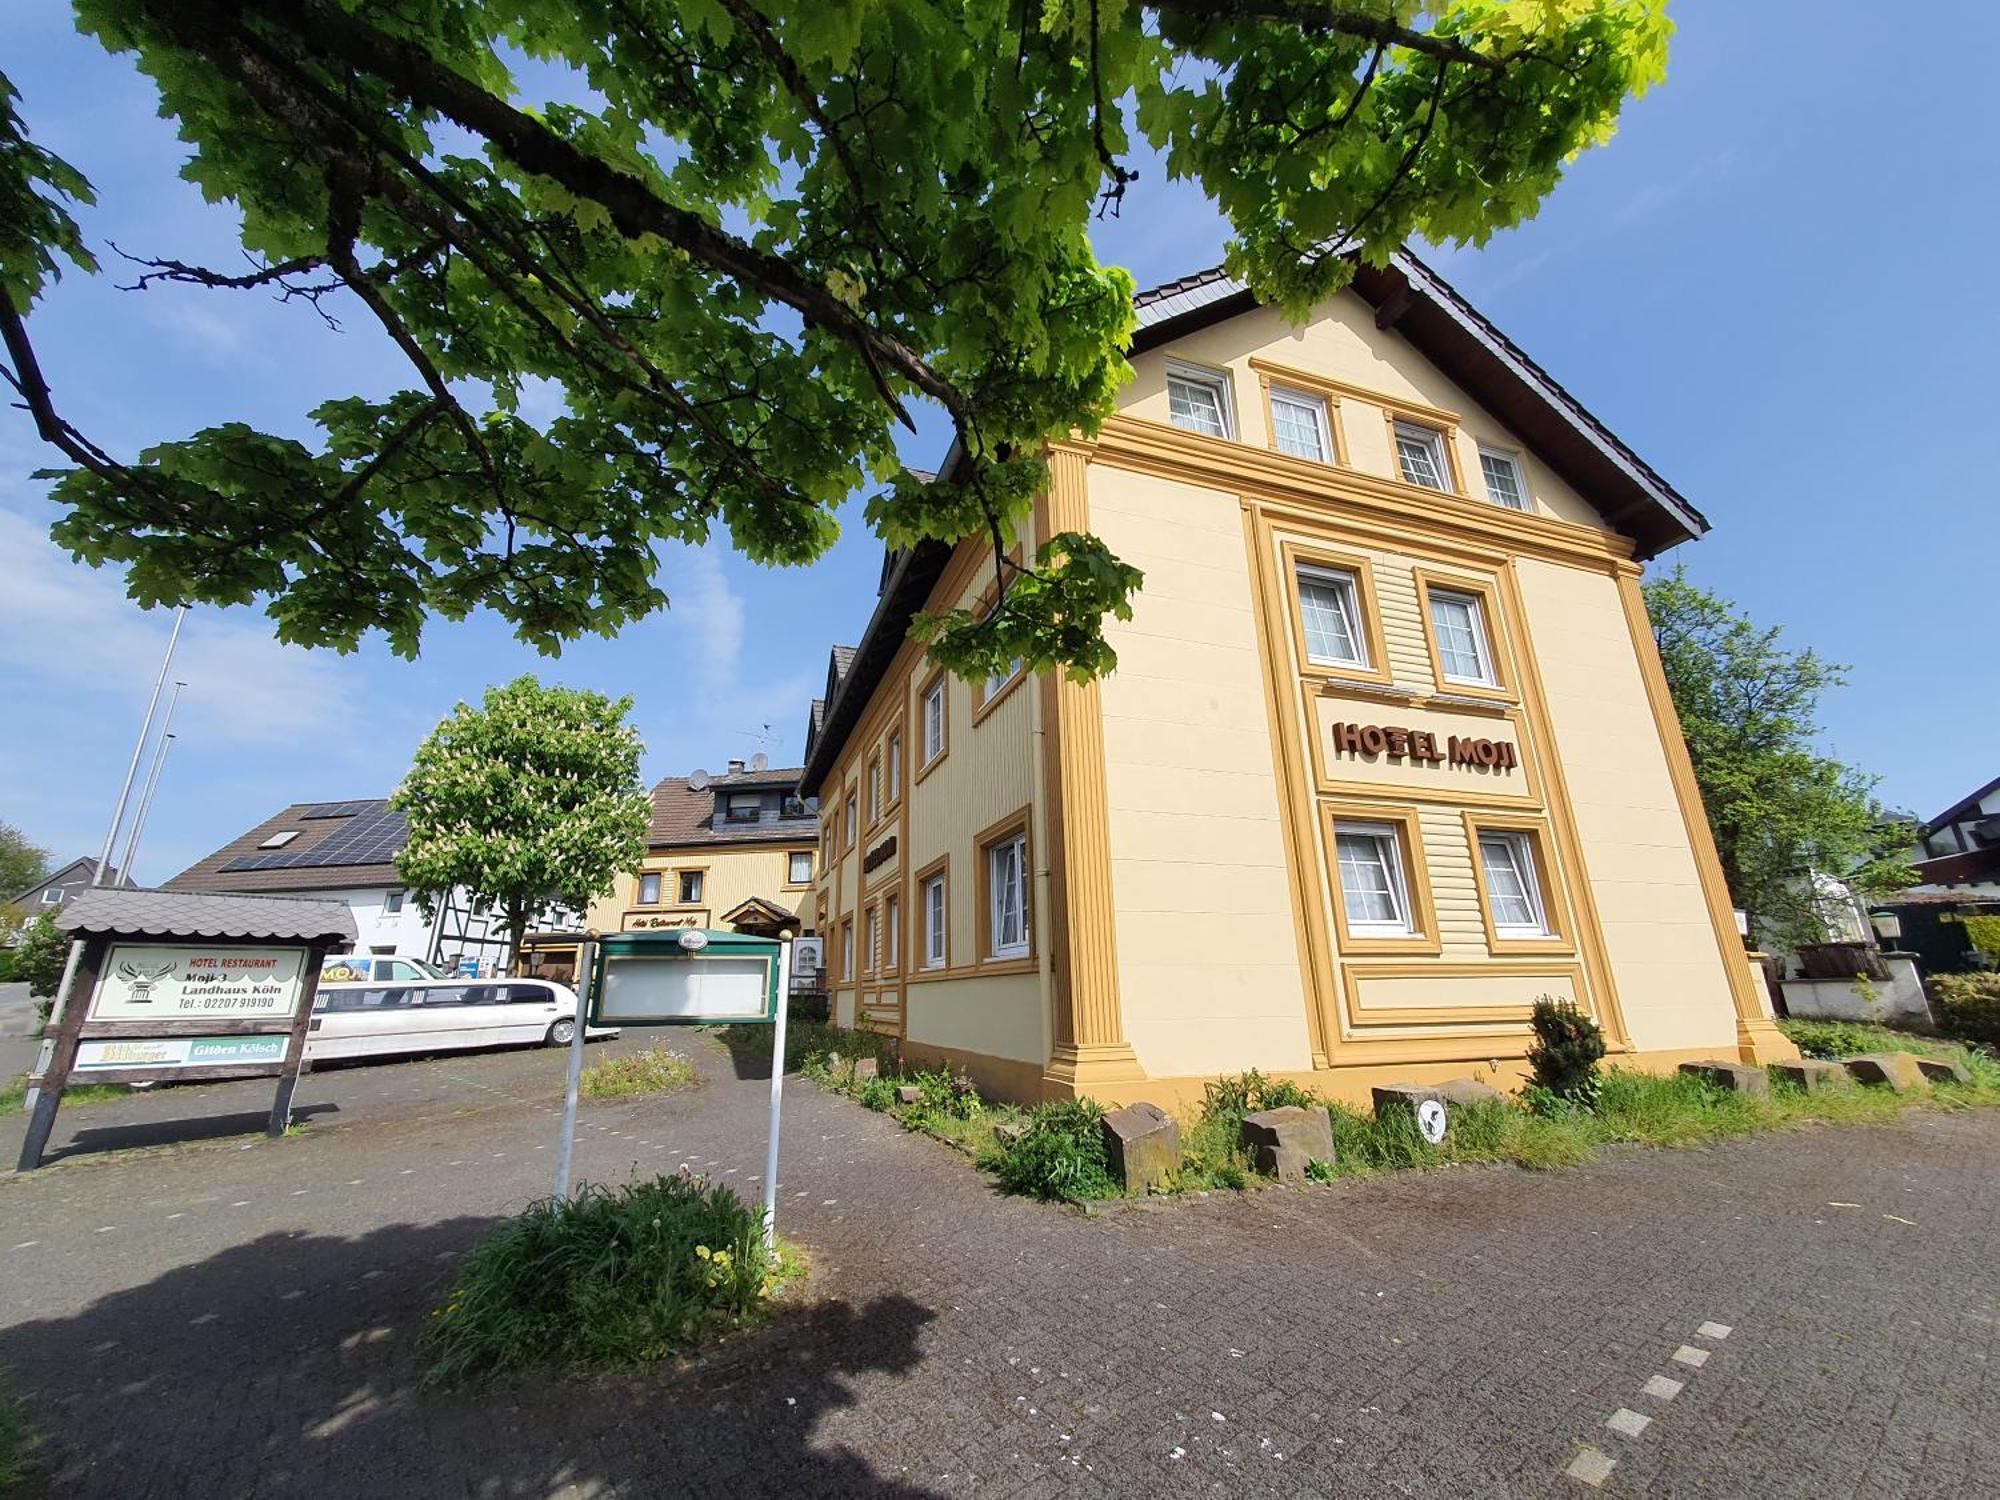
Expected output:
(530, 994)
(363, 998)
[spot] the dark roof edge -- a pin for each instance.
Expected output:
(1953, 813)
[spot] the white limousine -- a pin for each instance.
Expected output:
(369, 1019)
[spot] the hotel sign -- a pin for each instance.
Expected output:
(1422, 746)
(144, 982)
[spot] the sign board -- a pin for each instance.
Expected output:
(1431, 1119)
(182, 1052)
(687, 979)
(143, 982)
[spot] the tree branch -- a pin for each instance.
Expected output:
(1310, 16)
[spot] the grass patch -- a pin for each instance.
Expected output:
(1057, 1156)
(15, 1091)
(14, 1461)
(653, 1071)
(1852, 1038)
(615, 1276)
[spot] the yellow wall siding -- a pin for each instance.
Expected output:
(734, 873)
(1207, 962)
(1655, 922)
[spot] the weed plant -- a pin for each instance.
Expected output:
(614, 1276)
(654, 1071)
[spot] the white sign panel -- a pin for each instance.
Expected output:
(188, 982)
(638, 990)
(1431, 1119)
(181, 1052)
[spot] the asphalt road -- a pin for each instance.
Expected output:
(1812, 1315)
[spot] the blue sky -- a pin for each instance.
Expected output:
(1775, 284)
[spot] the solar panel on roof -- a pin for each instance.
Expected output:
(373, 836)
(340, 809)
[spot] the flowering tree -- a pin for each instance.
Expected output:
(741, 240)
(531, 800)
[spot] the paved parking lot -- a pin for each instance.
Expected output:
(1812, 1315)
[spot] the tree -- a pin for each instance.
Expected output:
(1782, 814)
(529, 801)
(750, 237)
(41, 955)
(22, 864)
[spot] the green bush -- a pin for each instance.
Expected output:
(614, 1276)
(1968, 1005)
(654, 1071)
(946, 1095)
(1568, 1046)
(1832, 1038)
(1060, 1154)
(877, 1092)
(14, 1462)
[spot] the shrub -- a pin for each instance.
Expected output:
(1230, 1099)
(1568, 1046)
(1060, 1155)
(654, 1071)
(1968, 1005)
(613, 1276)
(947, 1094)
(1832, 1038)
(876, 1093)
(14, 1462)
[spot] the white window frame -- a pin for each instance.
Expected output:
(1321, 419)
(996, 685)
(1431, 439)
(658, 878)
(1482, 638)
(1013, 849)
(871, 926)
(1346, 586)
(279, 839)
(792, 876)
(892, 931)
(392, 903)
(847, 949)
(1514, 467)
(1519, 846)
(934, 707)
(52, 896)
(1216, 383)
(937, 914)
(1387, 837)
(852, 816)
(894, 758)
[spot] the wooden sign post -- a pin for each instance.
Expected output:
(187, 987)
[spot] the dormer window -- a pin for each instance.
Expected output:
(745, 809)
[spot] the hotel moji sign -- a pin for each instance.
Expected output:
(1422, 746)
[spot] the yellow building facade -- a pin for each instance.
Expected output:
(1388, 754)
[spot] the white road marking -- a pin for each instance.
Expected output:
(1628, 1422)
(27, 1244)
(1687, 1354)
(1591, 1466)
(1715, 1330)
(1663, 1388)
(106, 1228)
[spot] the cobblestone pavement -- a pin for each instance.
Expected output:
(1808, 1315)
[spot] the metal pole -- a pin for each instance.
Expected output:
(586, 974)
(152, 785)
(145, 730)
(777, 1095)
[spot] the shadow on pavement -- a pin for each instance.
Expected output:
(291, 1367)
(181, 1132)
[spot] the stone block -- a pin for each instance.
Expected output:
(1944, 1070)
(1282, 1141)
(866, 1067)
(909, 1093)
(1896, 1070)
(1738, 1078)
(1144, 1144)
(1453, 1093)
(1007, 1132)
(1813, 1074)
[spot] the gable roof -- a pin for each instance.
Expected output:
(336, 845)
(1958, 811)
(208, 914)
(1423, 308)
(86, 864)
(684, 817)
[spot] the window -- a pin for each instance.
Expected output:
(1513, 889)
(847, 948)
(852, 807)
(1331, 608)
(279, 839)
(874, 791)
(690, 887)
(1199, 401)
(1372, 890)
(934, 721)
(1007, 897)
(1502, 472)
(874, 931)
(1460, 626)
(934, 914)
(799, 867)
(52, 896)
(1420, 455)
(649, 890)
(892, 923)
(895, 762)
(995, 684)
(745, 809)
(1299, 425)
(392, 903)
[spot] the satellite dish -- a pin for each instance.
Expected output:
(760, 762)
(697, 781)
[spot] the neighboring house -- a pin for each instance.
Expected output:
(1388, 753)
(349, 849)
(727, 850)
(53, 890)
(1957, 859)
